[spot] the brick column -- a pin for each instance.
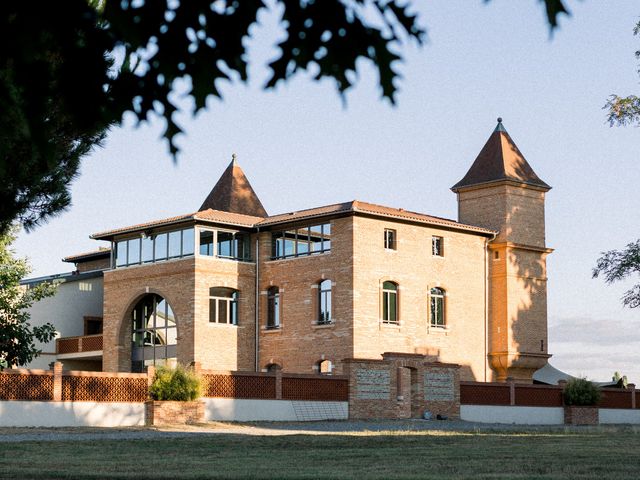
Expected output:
(399, 396)
(57, 381)
(278, 383)
(512, 391)
(151, 372)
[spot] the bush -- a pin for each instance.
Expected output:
(581, 392)
(181, 384)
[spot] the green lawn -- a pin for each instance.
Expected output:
(596, 454)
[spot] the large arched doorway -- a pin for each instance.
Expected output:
(154, 333)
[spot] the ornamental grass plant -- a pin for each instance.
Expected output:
(581, 392)
(177, 384)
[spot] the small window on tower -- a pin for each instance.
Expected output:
(496, 255)
(437, 246)
(389, 239)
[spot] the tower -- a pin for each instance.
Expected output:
(502, 192)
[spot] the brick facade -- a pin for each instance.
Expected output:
(490, 275)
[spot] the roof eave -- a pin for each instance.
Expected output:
(542, 186)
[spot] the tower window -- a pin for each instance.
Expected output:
(437, 246)
(390, 238)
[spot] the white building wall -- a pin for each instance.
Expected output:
(74, 299)
(512, 415)
(70, 414)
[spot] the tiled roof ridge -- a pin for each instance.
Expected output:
(402, 213)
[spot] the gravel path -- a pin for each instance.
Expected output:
(272, 428)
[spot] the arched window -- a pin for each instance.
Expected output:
(437, 318)
(389, 302)
(273, 307)
(223, 305)
(324, 302)
(154, 333)
(273, 367)
(325, 367)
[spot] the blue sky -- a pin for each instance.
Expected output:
(302, 147)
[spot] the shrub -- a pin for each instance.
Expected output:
(178, 383)
(581, 392)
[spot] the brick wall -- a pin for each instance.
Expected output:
(460, 272)
(301, 343)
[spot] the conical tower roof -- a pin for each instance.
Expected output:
(233, 193)
(500, 160)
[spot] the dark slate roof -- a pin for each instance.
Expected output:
(233, 193)
(500, 160)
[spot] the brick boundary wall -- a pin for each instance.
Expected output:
(514, 394)
(69, 385)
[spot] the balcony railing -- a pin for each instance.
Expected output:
(85, 343)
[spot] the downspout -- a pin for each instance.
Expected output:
(486, 302)
(257, 298)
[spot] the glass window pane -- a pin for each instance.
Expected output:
(222, 310)
(172, 336)
(241, 246)
(326, 233)
(134, 251)
(206, 242)
(315, 238)
(147, 249)
(385, 306)
(393, 308)
(389, 286)
(175, 240)
(161, 246)
(303, 241)
(121, 253)
(225, 244)
(188, 242)
(289, 243)
(279, 245)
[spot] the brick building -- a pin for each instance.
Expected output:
(234, 288)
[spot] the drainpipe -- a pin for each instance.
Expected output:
(257, 303)
(486, 302)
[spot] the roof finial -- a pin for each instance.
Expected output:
(234, 160)
(500, 127)
(499, 119)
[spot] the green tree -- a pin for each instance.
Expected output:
(624, 111)
(60, 89)
(17, 336)
(617, 265)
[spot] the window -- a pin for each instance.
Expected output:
(324, 302)
(302, 241)
(437, 307)
(154, 248)
(223, 305)
(92, 325)
(437, 246)
(389, 302)
(206, 243)
(223, 244)
(154, 333)
(389, 239)
(324, 367)
(273, 307)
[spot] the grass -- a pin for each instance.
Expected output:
(589, 454)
